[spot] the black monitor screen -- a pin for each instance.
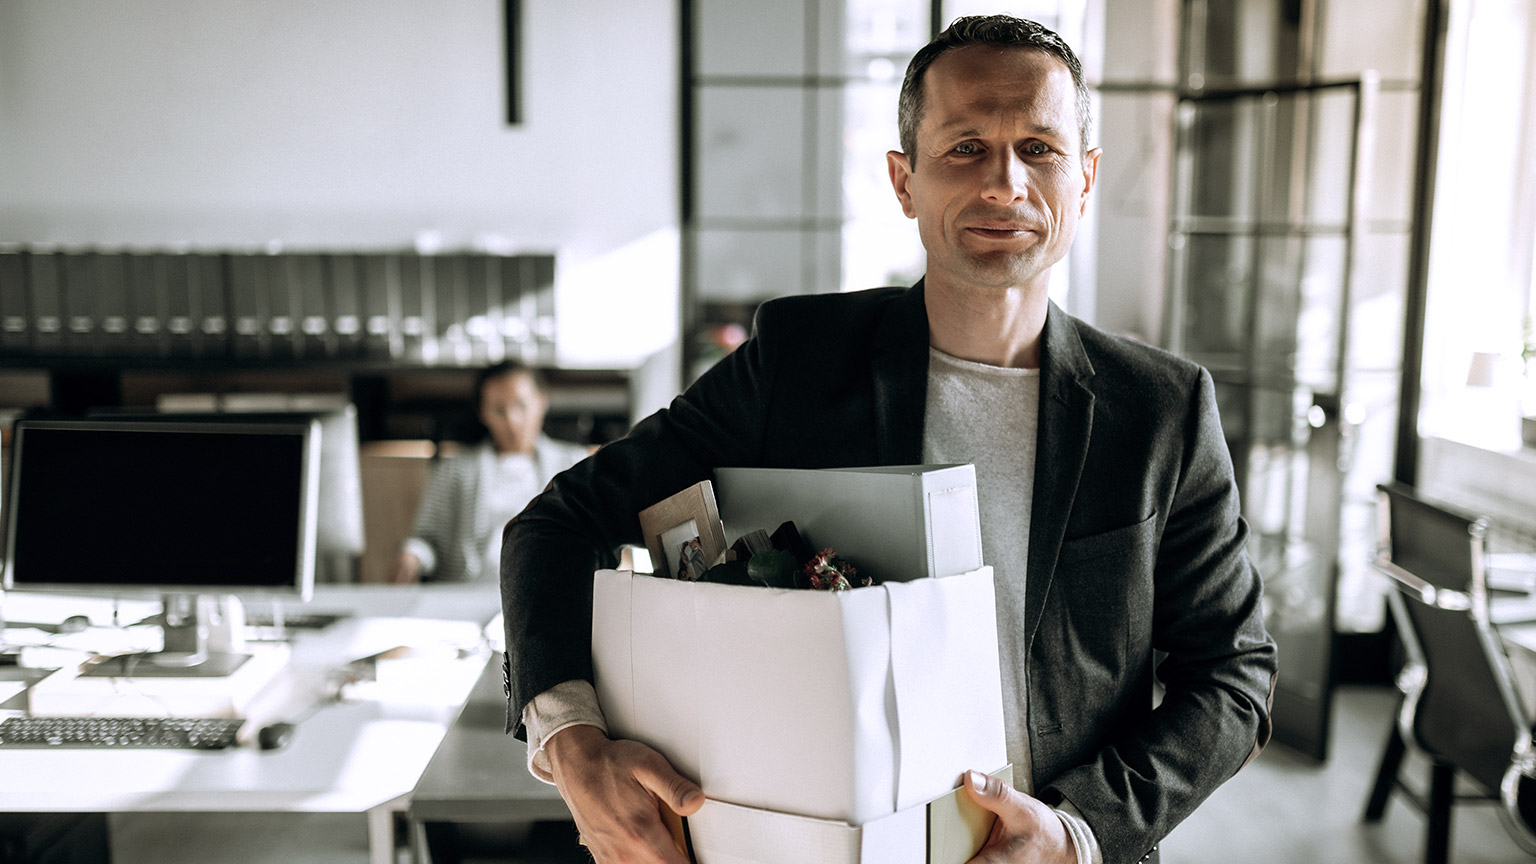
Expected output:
(339, 523)
(136, 508)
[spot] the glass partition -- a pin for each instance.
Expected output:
(1262, 267)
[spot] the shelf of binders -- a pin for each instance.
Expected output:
(393, 307)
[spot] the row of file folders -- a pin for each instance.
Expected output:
(439, 309)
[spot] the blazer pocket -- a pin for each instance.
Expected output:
(1119, 541)
(1101, 576)
(1098, 591)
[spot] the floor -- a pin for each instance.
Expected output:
(1287, 808)
(1283, 808)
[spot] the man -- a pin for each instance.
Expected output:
(1108, 506)
(470, 497)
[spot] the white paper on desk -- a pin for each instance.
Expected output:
(900, 522)
(429, 681)
(412, 658)
(111, 641)
(837, 705)
(367, 637)
(21, 637)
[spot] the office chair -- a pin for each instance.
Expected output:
(1460, 706)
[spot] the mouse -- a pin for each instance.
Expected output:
(274, 735)
(74, 624)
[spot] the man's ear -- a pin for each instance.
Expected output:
(1090, 176)
(900, 169)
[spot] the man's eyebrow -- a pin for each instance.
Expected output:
(959, 129)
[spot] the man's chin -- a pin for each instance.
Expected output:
(1004, 270)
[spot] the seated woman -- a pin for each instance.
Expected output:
(457, 537)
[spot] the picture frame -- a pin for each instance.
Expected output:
(681, 518)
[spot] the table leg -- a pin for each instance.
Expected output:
(381, 830)
(421, 850)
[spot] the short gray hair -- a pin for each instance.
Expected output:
(1000, 30)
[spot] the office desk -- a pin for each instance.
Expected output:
(362, 755)
(479, 773)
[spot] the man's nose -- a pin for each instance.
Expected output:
(1006, 180)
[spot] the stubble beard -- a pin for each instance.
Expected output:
(1001, 270)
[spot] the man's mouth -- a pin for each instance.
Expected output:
(999, 230)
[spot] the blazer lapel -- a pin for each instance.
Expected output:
(1065, 424)
(900, 370)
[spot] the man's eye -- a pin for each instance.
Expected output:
(967, 148)
(1036, 148)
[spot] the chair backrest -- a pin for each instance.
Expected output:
(1464, 708)
(1462, 713)
(1443, 547)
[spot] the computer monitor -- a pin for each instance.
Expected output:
(340, 524)
(189, 511)
(339, 539)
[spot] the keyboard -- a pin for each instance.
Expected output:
(203, 733)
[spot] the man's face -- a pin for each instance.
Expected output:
(999, 181)
(512, 407)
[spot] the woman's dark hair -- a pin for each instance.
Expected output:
(498, 370)
(472, 429)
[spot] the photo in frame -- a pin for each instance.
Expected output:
(681, 519)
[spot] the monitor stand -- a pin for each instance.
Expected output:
(204, 638)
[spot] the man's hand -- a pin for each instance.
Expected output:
(1026, 830)
(614, 789)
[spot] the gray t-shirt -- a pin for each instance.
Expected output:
(987, 415)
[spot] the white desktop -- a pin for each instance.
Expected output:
(124, 543)
(369, 716)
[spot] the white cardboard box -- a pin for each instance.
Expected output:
(847, 706)
(947, 830)
(898, 522)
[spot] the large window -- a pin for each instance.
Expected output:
(1480, 322)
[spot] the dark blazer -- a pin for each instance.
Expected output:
(1136, 546)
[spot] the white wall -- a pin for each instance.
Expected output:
(361, 124)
